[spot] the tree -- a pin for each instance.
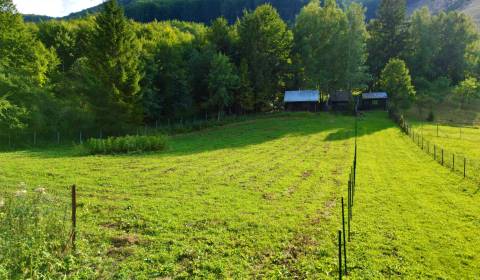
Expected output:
(265, 43)
(114, 57)
(220, 36)
(457, 34)
(356, 70)
(423, 45)
(396, 80)
(222, 81)
(388, 33)
(467, 89)
(331, 46)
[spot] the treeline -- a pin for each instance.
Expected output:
(109, 73)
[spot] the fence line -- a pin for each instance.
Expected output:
(469, 168)
(344, 235)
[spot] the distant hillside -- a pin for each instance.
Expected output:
(207, 10)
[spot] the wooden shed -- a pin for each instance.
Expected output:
(302, 100)
(340, 101)
(374, 101)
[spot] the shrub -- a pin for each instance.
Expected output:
(34, 236)
(126, 144)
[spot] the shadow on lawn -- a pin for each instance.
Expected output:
(368, 123)
(251, 132)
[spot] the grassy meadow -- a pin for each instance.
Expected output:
(261, 199)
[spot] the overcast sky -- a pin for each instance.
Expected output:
(54, 8)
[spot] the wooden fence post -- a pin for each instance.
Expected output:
(453, 162)
(442, 156)
(74, 217)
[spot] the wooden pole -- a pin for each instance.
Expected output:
(74, 217)
(442, 156)
(453, 162)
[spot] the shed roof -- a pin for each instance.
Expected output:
(375, 95)
(340, 96)
(302, 96)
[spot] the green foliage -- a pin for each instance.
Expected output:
(34, 236)
(126, 144)
(222, 81)
(264, 42)
(468, 89)
(11, 116)
(114, 58)
(388, 34)
(396, 80)
(331, 46)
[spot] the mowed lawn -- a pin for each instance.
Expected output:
(261, 199)
(413, 218)
(255, 199)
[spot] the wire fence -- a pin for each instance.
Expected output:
(468, 167)
(57, 137)
(344, 234)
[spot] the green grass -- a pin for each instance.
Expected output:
(413, 218)
(260, 199)
(463, 140)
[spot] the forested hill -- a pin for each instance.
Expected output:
(207, 10)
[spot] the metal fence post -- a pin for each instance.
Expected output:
(74, 216)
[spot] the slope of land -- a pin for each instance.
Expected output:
(206, 11)
(261, 199)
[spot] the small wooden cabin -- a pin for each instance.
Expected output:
(374, 101)
(340, 101)
(302, 100)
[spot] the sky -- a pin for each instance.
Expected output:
(53, 8)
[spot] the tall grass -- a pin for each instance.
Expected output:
(34, 236)
(126, 144)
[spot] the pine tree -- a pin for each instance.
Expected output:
(388, 34)
(114, 57)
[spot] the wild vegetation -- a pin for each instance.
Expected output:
(34, 235)
(126, 144)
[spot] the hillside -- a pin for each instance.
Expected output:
(205, 11)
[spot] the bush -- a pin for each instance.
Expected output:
(34, 236)
(126, 144)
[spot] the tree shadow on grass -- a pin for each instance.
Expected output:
(251, 132)
(367, 123)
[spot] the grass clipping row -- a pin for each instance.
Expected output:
(126, 144)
